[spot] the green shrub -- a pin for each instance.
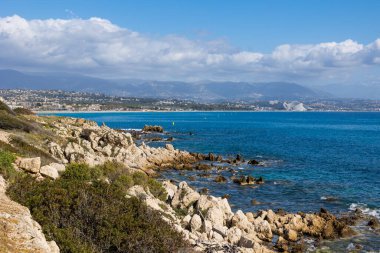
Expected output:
(10, 122)
(7, 147)
(118, 174)
(23, 111)
(5, 107)
(82, 172)
(6, 167)
(94, 217)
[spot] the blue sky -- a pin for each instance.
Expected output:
(310, 41)
(250, 25)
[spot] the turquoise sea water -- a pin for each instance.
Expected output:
(312, 159)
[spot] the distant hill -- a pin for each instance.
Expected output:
(202, 91)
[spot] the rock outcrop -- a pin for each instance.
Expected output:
(210, 225)
(33, 166)
(93, 144)
(18, 231)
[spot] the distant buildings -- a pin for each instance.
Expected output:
(58, 100)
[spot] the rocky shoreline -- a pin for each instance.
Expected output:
(206, 222)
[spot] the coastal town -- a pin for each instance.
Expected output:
(59, 100)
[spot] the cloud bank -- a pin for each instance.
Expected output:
(98, 47)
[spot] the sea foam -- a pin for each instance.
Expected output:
(365, 209)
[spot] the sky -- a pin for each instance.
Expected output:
(310, 42)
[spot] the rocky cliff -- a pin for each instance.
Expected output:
(18, 231)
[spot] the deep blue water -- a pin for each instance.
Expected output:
(308, 156)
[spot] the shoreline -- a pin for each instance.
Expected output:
(188, 111)
(208, 221)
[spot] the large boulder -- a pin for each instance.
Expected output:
(216, 209)
(74, 152)
(216, 216)
(184, 196)
(31, 165)
(57, 152)
(241, 221)
(58, 166)
(291, 235)
(170, 188)
(49, 171)
(263, 229)
(248, 240)
(195, 223)
(234, 235)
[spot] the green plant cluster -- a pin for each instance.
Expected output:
(23, 111)
(6, 167)
(84, 212)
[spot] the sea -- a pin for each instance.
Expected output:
(309, 160)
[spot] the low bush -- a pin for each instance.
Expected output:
(6, 167)
(119, 175)
(23, 111)
(85, 214)
(6, 108)
(10, 122)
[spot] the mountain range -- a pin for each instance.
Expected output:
(200, 91)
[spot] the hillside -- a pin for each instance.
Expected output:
(199, 91)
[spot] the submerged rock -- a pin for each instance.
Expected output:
(374, 223)
(253, 162)
(220, 179)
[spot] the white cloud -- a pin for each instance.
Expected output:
(97, 47)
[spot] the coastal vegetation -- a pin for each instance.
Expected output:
(85, 209)
(83, 213)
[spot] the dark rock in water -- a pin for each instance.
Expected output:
(250, 180)
(260, 180)
(219, 158)
(199, 156)
(239, 158)
(334, 228)
(155, 139)
(203, 191)
(323, 210)
(243, 180)
(158, 129)
(253, 162)
(255, 202)
(374, 223)
(232, 171)
(182, 166)
(226, 196)
(205, 175)
(203, 166)
(170, 139)
(210, 157)
(350, 219)
(220, 179)
(192, 178)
